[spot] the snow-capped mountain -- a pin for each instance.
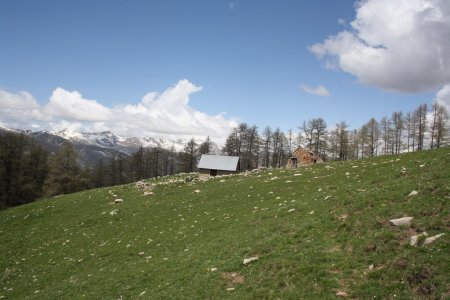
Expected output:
(91, 147)
(128, 145)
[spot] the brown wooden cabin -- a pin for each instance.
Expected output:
(303, 157)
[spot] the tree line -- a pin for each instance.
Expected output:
(423, 128)
(28, 172)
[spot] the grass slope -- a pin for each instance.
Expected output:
(315, 234)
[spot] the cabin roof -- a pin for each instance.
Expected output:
(218, 162)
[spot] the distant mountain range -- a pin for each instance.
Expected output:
(92, 147)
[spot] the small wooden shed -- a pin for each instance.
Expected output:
(213, 165)
(303, 157)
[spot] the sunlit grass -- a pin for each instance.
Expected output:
(316, 231)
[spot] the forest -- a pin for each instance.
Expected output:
(27, 172)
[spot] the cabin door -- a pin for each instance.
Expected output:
(212, 172)
(294, 162)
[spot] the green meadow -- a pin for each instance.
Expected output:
(319, 232)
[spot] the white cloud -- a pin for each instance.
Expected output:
(400, 45)
(443, 97)
(232, 5)
(72, 106)
(341, 21)
(157, 114)
(318, 91)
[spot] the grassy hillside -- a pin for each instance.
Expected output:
(316, 232)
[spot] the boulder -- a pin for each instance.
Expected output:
(249, 260)
(405, 221)
(414, 240)
(432, 238)
(413, 193)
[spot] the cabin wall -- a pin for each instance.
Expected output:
(206, 172)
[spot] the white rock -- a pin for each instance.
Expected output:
(413, 193)
(347, 174)
(415, 238)
(230, 289)
(118, 200)
(432, 238)
(291, 210)
(249, 260)
(341, 294)
(297, 174)
(197, 191)
(288, 181)
(113, 212)
(401, 221)
(311, 212)
(213, 269)
(327, 197)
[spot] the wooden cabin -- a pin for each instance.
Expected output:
(303, 157)
(214, 165)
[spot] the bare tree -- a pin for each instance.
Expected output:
(397, 123)
(420, 117)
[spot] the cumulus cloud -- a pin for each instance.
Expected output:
(157, 114)
(72, 106)
(318, 91)
(443, 97)
(401, 45)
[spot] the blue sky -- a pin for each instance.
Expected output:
(247, 59)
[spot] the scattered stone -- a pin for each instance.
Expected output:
(197, 191)
(222, 180)
(113, 212)
(233, 277)
(347, 174)
(371, 267)
(413, 193)
(406, 221)
(421, 166)
(341, 294)
(213, 269)
(230, 289)
(432, 238)
(327, 197)
(288, 181)
(141, 294)
(249, 260)
(141, 253)
(291, 210)
(118, 201)
(148, 193)
(297, 174)
(414, 240)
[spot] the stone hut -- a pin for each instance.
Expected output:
(303, 157)
(213, 165)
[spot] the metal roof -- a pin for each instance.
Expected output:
(218, 162)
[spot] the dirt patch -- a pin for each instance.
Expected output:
(233, 278)
(401, 263)
(426, 289)
(419, 276)
(334, 249)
